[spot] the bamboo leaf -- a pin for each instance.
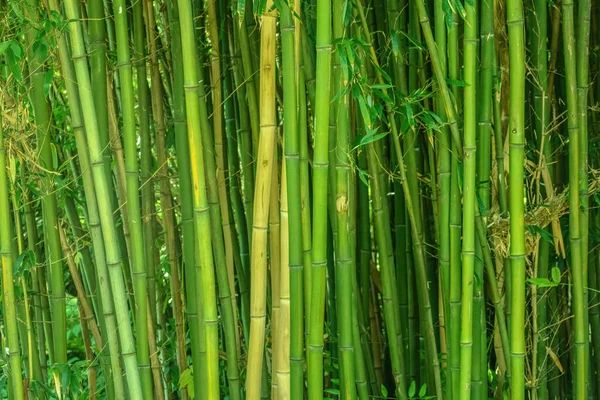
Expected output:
(4, 46)
(24, 261)
(48, 77)
(555, 272)
(14, 66)
(40, 49)
(456, 82)
(363, 175)
(412, 389)
(413, 41)
(544, 234)
(384, 391)
(370, 138)
(423, 390)
(542, 282)
(241, 9)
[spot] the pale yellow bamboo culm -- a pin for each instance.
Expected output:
(266, 147)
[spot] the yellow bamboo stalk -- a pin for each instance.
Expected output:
(266, 149)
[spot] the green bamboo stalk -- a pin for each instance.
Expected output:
(240, 241)
(141, 244)
(283, 371)
(214, 33)
(205, 281)
(364, 239)
(438, 70)
(276, 250)
(218, 244)
(41, 306)
(165, 190)
(294, 205)
(345, 261)
(583, 56)
(484, 130)
(541, 116)
(380, 215)
(455, 301)
(41, 108)
(8, 289)
(417, 232)
(515, 23)
(244, 135)
(469, 200)
(185, 189)
(319, 216)
(305, 200)
(444, 179)
(113, 258)
(33, 370)
(575, 225)
(250, 86)
(97, 50)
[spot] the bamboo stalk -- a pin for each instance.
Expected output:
(265, 153)
(516, 205)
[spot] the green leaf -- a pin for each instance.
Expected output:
(344, 63)
(241, 9)
(364, 111)
(413, 41)
(409, 115)
(260, 7)
(350, 53)
(460, 8)
(456, 82)
(363, 175)
(542, 282)
(384, 391)
(555, 272)
(370, 138)
(412, 389)
(40, 49)
(14, 66)
(423, 390)
(4, 46)
(54, 156)
(48, 76)
(544, 234)
(186, 378)
(381, 86)
(78, 258)
(335, 392)
(24, 261)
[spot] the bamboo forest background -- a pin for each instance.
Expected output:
(355, 199)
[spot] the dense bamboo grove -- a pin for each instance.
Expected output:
(287, 200)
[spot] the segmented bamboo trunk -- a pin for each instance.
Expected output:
(266, 151)
(44, 129)
(580, 330)
(101, 185)
(205, 280)
(291, 363)
(516, 202)
(8, 289)
(319, 201)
